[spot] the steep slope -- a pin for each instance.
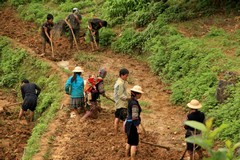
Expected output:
(68, 138)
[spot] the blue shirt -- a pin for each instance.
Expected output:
(75, 88)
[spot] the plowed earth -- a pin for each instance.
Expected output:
(68, 138)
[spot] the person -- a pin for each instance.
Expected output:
(46, 32)
(120, 98)
(75, 87)
(73, 21)
(30, 93)
(94, 25)
(94, 88)
(194, 115)
(133, 121)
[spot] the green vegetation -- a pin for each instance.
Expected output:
(16, 64)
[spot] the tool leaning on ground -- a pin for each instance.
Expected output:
(74, 37)
(109, 98)
(13, 104)
(52, 47)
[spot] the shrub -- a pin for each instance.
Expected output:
(106, 36)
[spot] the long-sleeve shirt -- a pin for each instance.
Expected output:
(134, 111)
(120, 94)
(75, 88)
(30, 89)
(194, 116)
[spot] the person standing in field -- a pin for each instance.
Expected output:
(75, 87)
(133, 121)
(94, 25)
(46, 33)
(95, 88)
(73, 21)
(120, 98)
(194, 115)
(30, 93)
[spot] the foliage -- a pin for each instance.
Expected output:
(106, 36)
(34, 12)
(126, 42)
(18, 2)
(208, 137)
(216, 32)
(69, 5)
(9, 64)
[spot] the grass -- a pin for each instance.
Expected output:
(145, 107)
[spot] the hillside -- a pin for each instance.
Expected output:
(174, 59)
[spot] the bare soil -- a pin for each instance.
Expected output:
(68, 138)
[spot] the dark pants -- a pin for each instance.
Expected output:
(76, 34)
(132, 134)
(44, 41)
(96, 36)
(30, 102)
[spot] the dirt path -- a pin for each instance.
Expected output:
(68, 138)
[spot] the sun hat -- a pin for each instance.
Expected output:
(77, 69)
(194, 104)
(137, 89)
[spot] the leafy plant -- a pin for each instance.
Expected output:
(208, 138)
(106, 36)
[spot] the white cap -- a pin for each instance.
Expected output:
(75, 9)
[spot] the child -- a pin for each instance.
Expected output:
(45, 32)
(89, 87)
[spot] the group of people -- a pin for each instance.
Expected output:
(85, 95)
(73, 21)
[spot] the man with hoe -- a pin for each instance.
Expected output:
(46, 33)
(73, 21)
(94, 25)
